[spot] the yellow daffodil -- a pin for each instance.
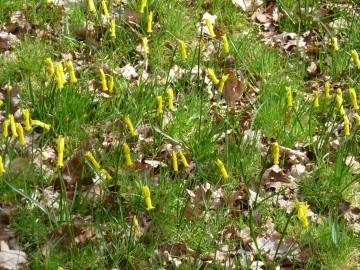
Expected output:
(20, 132)
(145, 45)
(111, 84)
(60, 268)
(92, 159)
(212, 76)
(147, 197)
(136, 226)
(60, 152)
(8, 88)
(130, 126)
(112, 29)
(170, 96)
(356, 117)
(353, 98)
(327, 89)
(174, 162)
(126, 151)
(335, 44)
(222, 169)
(316, 99)
(60, 76)
(210, 28)
(2, 168)
(150, 21)
(71, 70)
(183, 52)
(355, 57)
(339, 101)
(38, 123)
(1, 102)
(346, 125)
(91, 6)
(143, 5)
(289, 97)
(103, 80)
(105, 9)
(50, 66)
(183, 158)
(276, 153)
(5, 128)
(13, 126)
(106, 174)
(302, 209)
(223, 79)
(26, 117)
(225, 44)
(159, 102)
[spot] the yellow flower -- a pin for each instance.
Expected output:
(130, 126)
(26, 117)
(2, 168)
(183, 52)
(170, 95)
(92, 159)
(103, 80)
(112, 29)
(276, 153)
(210, 28)
(346, 125)
(60, 268)
(105, 9)
(339, 101)
(91, 6)
(145, 46)
(302, 209)
(126, 150)
(353, 97)
(70, 68)
(5, 128)
(8, 88)
(159, 108)
(357, 118)
(38, 123)
(150, 21)
(222, 169)
(289, 97)
(174, 161)
(212, 76)
(111, 84)
(223, 79)
(225, 43)
(136, 225)
(13, 125)
(20, 132)
(60, 76)
(50, 66)
(147, 197)
(106, 174)
(143, 5)
(60, 151)
(1, 102)
(183, 158)
(316, 99)
(355, 57)
(327, 89)
(335, 44)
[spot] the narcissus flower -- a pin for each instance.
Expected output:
(356, 59)
(26, 117)
(183, 158)
(210, 28)
(174, 161)
(276, 153)
(5, 128)
(112, 29)
(170, 96)
(1, 102)
(91, 6)
(353, 98)
(111, 84)
(225, 43)
(92, 159)
(335, 44)
(143, 5)
(13, 126)
(316, 99)
(60, 76)
(339, 101)
(150, 21)
(223, 79)
(126, 151)
(289, 97)
(327, 89)
(136, 226)
(71, 70)
(222, 169)
(183, 52)
(105, 9)
(130, 126)
(145, 47)
(147, 197)
(20, 132)
(103, 80)
(50, 66)
(356, 117)
(212, 75)
(38, 123)
(302, 209)
(2, 168)
(346, 125)
(60, 152)
(159, 102)
(106, 174)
